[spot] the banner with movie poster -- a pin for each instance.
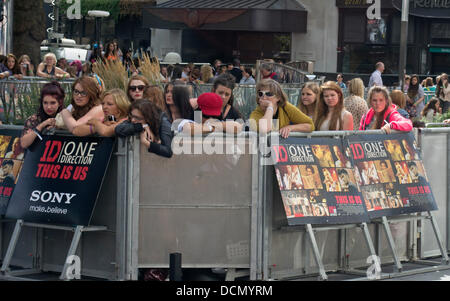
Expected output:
(317, 182)
(11, 160)
(390, 174)
(60, 180)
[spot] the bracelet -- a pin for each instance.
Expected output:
(269, 108)
(37, 133)
(145, 126)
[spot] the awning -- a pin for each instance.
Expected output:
(236, 15)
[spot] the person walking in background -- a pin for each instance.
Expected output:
(236, 70)
(443, 92)
(355, 103)
(375, 78)
(340, 81)
(247, 77)
(415, 97)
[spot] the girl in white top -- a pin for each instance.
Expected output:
(330, 113)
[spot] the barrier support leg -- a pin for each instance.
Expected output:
(72, 250)
(390, 239)
(12, 246)
(437, 233)
(317, 256)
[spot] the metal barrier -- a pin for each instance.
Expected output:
(222, 211)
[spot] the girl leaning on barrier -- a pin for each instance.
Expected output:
(50, 103)
(443, 92)
(382, 114)
(85, 103)
(26, 68)
(330, 112)
(147, 119)
(178, 102)
(273, 105)
(115, 105)
(48, 68)
(309, 98)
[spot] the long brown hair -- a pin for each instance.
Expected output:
(156, 95)
(322, 109)
(379, 116)
(91, 88)
(151, 112)
(142, 79)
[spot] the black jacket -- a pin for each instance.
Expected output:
(164, 149)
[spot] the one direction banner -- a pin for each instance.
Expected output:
(390, 174)
(11, 160)
(317, 182)
(60, 180)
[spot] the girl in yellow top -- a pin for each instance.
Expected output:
(273, 107)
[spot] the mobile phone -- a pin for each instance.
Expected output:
(111, 118)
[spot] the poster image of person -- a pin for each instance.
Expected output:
(374, 197)
(347, 181)
(279, 177)
(320, 209)
(341, 160)
(411, 153)
(385, 172)
(15, 150)
(394, 148)
(310, 177)
(376, 31)
(4, 142)
(395, 201)
(402, 173)
(368, 173)
(8, 178)
(358, 178)
(323, 155)
(330, 179)
(289, 203)
(294, 178)
(417, 175)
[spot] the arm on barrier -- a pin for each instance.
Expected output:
(164, 146)
(70, 122)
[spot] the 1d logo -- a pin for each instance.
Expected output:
(374, 11)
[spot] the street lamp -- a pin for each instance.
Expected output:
(98, 14)
(403, 43)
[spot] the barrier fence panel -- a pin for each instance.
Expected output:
(289, 253)
(202, 206)
(434, 145)
(101, 253)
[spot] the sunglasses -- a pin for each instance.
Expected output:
(266, 93)
(80, 93)
(139, 88)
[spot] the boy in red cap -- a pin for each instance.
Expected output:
(211, 106)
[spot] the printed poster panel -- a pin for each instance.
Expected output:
(60, 180)
(390, 174)
(11, 160)
(317, 182)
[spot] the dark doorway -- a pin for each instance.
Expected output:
(440, 63)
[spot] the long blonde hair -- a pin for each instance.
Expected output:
(120, 98)
(322, 108)
(356, 87)
(314, 87)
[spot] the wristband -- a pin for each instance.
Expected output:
(269, 108)
(145, 126)
(37, 133)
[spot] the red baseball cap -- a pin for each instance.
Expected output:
(210, 104)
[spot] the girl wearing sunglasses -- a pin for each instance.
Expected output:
(85, 103)
(137, 87)
(115, 105)
(274, 112)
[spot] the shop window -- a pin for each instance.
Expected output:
(396, 26)
(440, 31)
(354, 28)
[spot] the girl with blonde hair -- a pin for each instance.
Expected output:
(115, 105)
(355, 103)
(309, 97)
